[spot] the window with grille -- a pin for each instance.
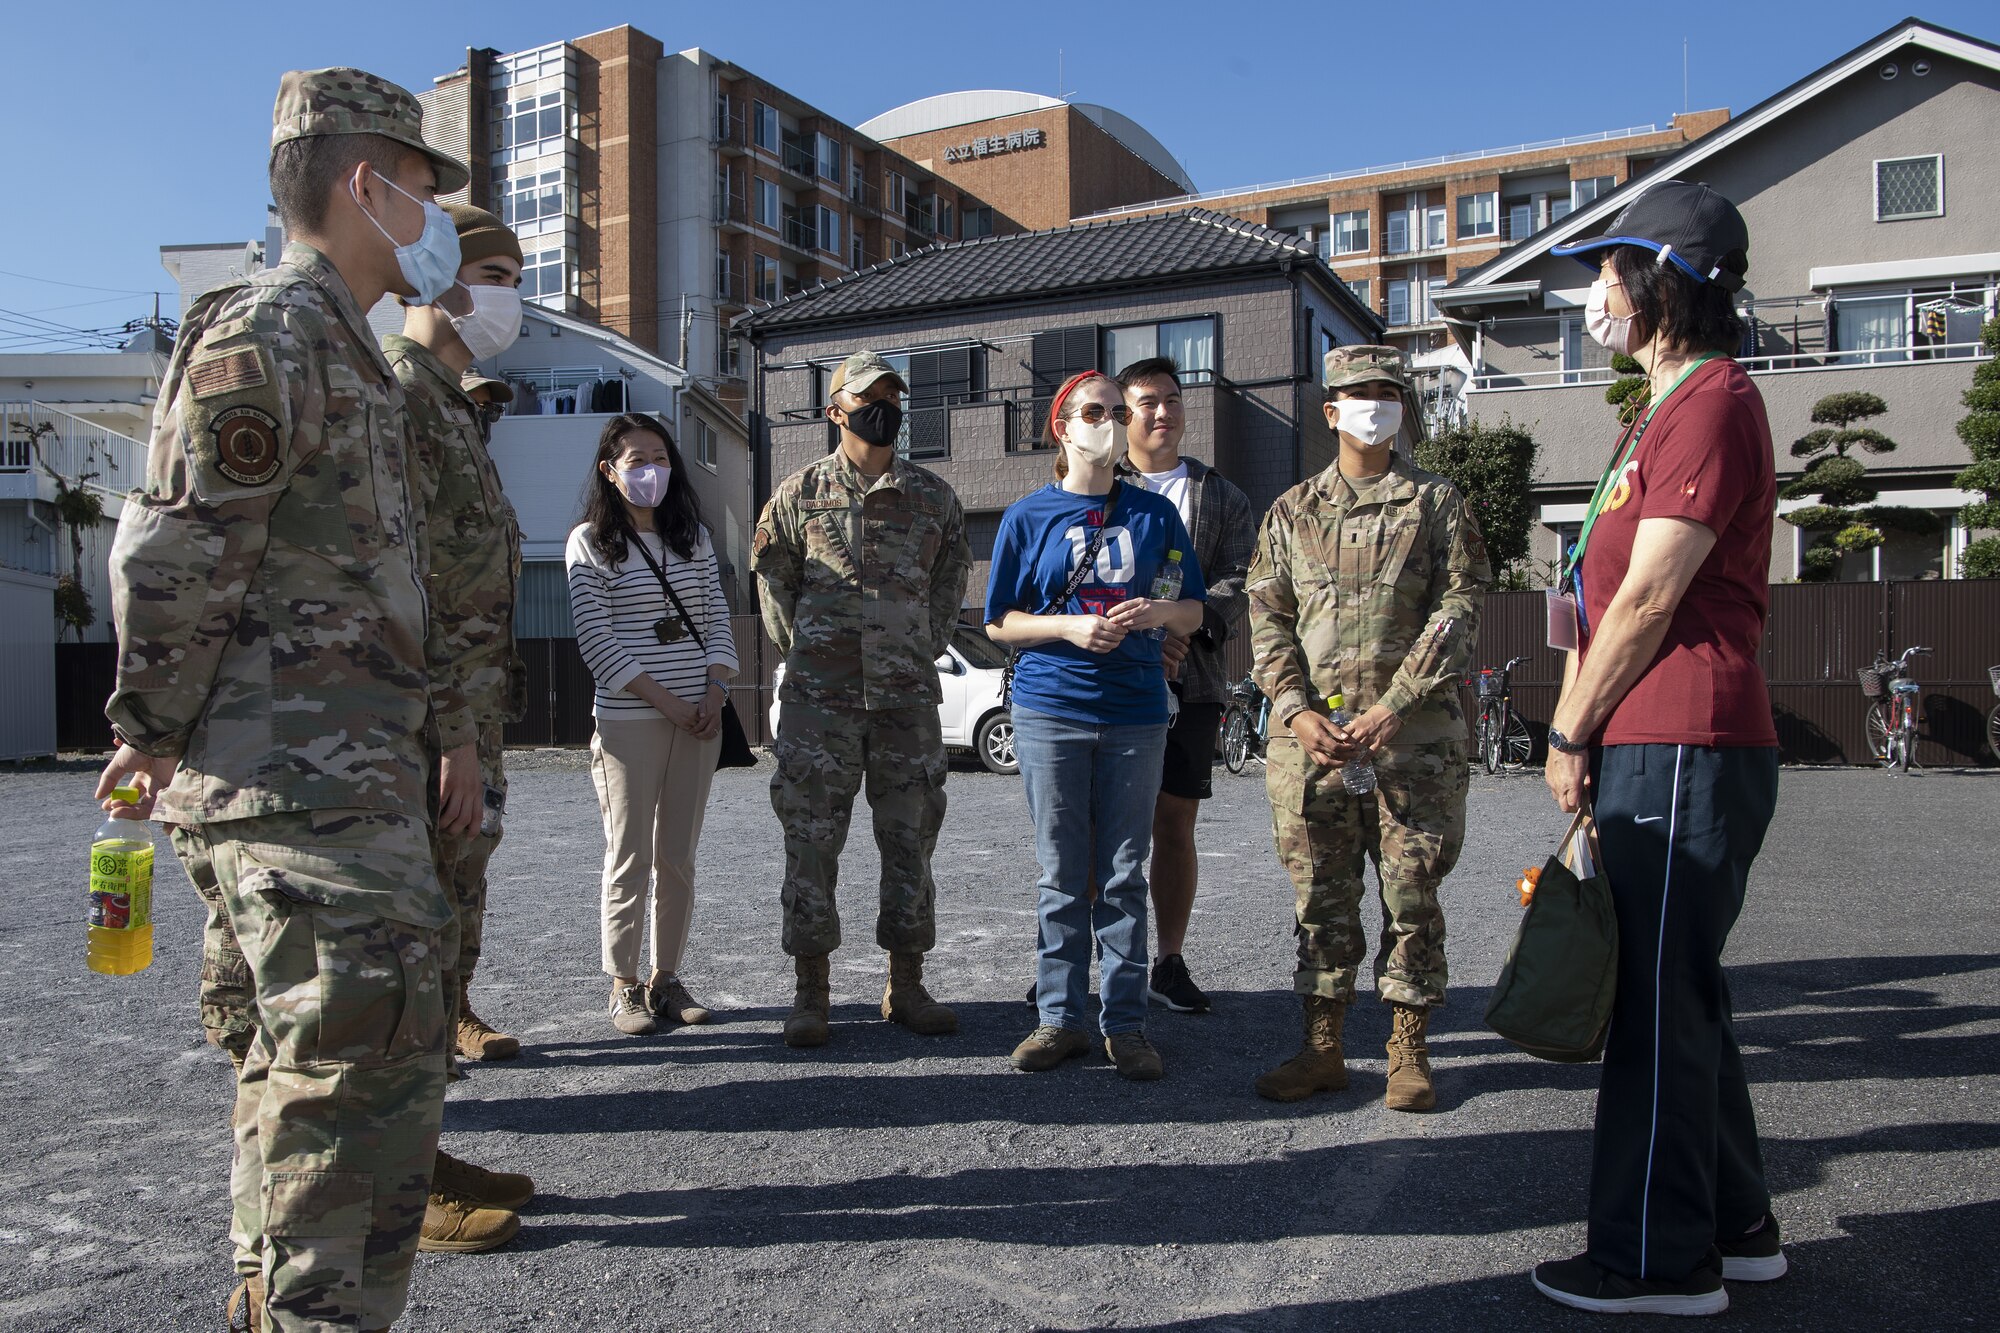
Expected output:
(1056, 355)
(1909, 187)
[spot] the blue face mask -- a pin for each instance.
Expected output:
(429, 263)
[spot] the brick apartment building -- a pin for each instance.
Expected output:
(661, 194)
(985, 331)
(1397, 234)
(1039, 160)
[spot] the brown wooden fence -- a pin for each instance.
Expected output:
(1818, 637)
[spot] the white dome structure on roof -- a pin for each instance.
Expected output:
(966, 108)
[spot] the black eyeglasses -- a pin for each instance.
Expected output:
(1092, 413)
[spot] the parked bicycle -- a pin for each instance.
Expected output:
(1892, 710)
(1502, 739)
(1993, 718)
(1246, 724)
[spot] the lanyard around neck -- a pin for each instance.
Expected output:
(1609, 481)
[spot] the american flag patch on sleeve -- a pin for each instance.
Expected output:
(227, 372)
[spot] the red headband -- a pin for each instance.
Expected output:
(1055, 408)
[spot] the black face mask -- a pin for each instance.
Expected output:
(877, 423)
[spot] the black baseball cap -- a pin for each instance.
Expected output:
(1689, 224)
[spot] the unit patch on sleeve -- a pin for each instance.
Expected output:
(227, 372)
(246, 445)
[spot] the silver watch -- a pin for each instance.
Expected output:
(1558, 741)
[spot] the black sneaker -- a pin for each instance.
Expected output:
(1173, 987)
(1582, 1285)
(1756, 1257)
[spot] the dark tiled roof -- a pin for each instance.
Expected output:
(1119, 252)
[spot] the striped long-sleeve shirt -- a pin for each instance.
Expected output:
(616, 606)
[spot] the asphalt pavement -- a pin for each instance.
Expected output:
(709, 1178)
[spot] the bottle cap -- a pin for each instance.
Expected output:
(128, 794)
(1173, 555)
(1336, 700)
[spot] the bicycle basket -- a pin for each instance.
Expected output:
(1993, 674)
(1490, 684)
(1871, 683)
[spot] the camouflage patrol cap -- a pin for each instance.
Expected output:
(314, 102)
(861, 370)
(474, 384)
(1349, 366)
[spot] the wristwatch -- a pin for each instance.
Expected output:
(1558, 741)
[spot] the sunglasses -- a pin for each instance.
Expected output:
(1092, 413)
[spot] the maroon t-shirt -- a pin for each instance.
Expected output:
(1706, 456)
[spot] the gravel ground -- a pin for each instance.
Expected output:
(710, 1179)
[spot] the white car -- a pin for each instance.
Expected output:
(972, 716)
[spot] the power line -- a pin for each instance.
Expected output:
(82, 286)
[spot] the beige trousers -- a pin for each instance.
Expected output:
(652, 783)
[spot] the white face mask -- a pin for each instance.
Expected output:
(1094, 446)
(1609, 331)
(1371, 422)
(495, 321)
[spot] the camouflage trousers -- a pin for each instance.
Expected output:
(1412, 826)
(461, 861)
(228, 1002)
(342, 926)
(824, 755)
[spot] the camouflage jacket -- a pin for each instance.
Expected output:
(266, 584)
(861, 585)
(472, 541)
(1379, 601)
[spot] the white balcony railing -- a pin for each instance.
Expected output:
(1917, 354)
(35, 436)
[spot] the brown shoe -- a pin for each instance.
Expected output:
(906, 1001)
(632, 1012)
(1410, 1086)
(811, 999)
(1135, 1057)
(1320, 1065)
(673, 1004)
(455, 1225)
(495, 1189)
(245, 1310)
(1046, 1047)
(477, 1040)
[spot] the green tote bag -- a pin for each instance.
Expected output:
(1553, 999)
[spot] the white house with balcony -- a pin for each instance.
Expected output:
(1870, 188)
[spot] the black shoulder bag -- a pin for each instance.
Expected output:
(1076, 578)
(735, 751)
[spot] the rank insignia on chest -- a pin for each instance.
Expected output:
(246, 445)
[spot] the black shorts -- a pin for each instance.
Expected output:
(1191, 752)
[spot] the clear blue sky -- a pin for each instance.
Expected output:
(133, 126)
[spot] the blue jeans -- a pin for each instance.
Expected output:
(1091, 791)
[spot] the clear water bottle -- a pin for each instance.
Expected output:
(1166, 588)
(121, 894)
(1358, 773)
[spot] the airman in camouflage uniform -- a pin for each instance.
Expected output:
(474, 549)
(861, 561)
(267, 594)
(1367, 582)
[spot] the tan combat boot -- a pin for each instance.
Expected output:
(454, 1224)
(475, 1038)
(1409, 1061)
(906, 1001)
(1319, 1066)
(247, 1304)
(496, 1189)
(810, 1001)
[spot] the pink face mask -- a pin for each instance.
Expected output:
(644, 486)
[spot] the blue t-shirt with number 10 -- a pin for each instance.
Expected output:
(1042, 538)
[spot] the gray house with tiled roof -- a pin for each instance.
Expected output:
(984, 331)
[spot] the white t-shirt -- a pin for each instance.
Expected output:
(1174, 486)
